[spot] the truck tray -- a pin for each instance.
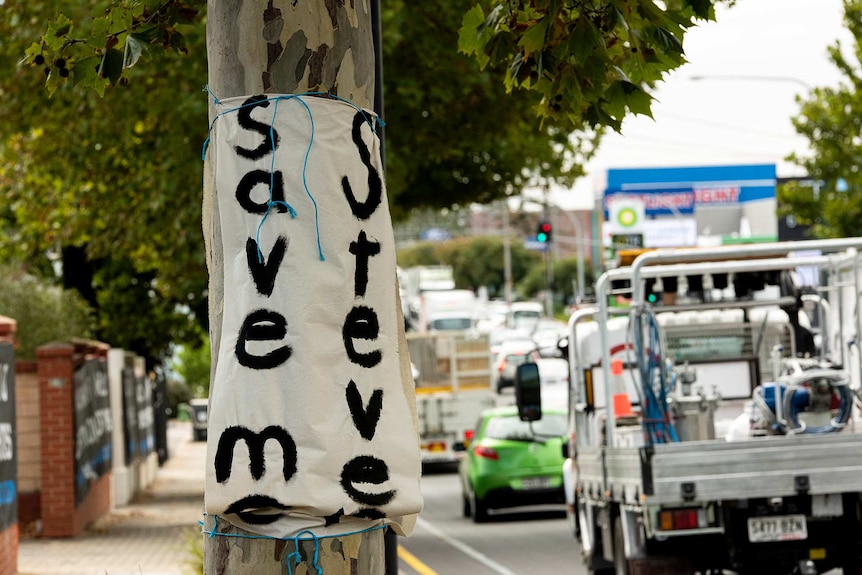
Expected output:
(720, 470)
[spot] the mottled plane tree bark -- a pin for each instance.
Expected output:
(285, 46)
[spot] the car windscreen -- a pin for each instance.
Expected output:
(452, 323)
(511, 427)
(517, 358)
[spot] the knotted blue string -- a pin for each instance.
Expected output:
(296, 555)
(372, 122)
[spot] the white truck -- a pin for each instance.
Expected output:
(453, 388)
(414, 282)
(713, 435)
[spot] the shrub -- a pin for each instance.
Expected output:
(44, 313)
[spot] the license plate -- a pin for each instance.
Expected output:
(535, 482)
(777, 528)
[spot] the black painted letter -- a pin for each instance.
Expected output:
(361, 323)
(262, 325)
(363, 210)
(366, 469)
(363, 250)
(255, 443)
(263, 273)
(245, 120)
(364, 419)
(257, 178)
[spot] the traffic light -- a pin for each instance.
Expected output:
(650, 292)
(543, 232)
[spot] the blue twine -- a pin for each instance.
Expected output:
(296, 555)
(372, 122)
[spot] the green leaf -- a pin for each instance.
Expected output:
(84, 71)
(178, 43)
(533, 39)
(638, 100)
(53, 81)
(703, 9)
(59, 27)
(132, 53)
(100, 27)
(584, 39)
(615, 100)
(468, 35)
(667, 41)
(112, 65)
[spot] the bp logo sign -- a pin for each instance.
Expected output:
(627, 217)
(626, 214)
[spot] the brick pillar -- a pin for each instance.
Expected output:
(57, 437)
(9, 533)
(61, 516)
(28, 441)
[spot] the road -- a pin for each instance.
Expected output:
(512, 543)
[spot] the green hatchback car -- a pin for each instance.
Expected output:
(510, 463)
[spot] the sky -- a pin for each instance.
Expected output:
(753, 61)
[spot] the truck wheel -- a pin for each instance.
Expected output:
(621, 564)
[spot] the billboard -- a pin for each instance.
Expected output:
(684, 205)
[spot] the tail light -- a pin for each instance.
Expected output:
(682, 519)
(486, 452)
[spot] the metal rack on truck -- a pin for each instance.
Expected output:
(454, 386)
(718, 433)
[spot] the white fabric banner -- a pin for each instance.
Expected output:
(311, 423)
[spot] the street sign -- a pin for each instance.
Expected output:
(535, 245)
(623, 241)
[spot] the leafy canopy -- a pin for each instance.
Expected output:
(44, 313)
(590, 61)
(108, 189)
(453, 135)
(831, 119)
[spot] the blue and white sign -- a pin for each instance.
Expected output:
(716, 200)
(8, 460)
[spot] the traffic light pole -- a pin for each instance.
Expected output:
(549, 279)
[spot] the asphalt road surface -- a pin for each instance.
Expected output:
(521, 541)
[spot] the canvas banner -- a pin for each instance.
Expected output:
(311, 423)
(93, 425)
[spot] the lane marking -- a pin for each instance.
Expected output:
(414, 562)
(466, 549)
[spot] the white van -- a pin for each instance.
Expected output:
(525, 315)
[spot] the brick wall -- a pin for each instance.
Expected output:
(60, 515)
(9, 536)
(29, 441)
(9, 542)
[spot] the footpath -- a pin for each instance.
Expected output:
(153, 535)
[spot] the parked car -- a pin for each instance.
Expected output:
(505, 339)
(547, 338)
(508, 363)
(511, 463)
(198, 412)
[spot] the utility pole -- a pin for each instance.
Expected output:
(284, 47)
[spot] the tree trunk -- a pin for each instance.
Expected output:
(285, 46)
